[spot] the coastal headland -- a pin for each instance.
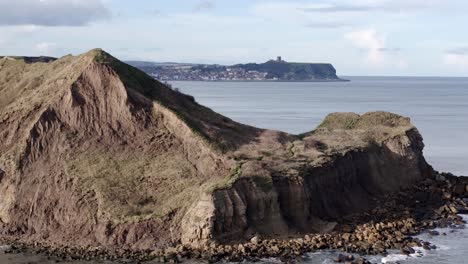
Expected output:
(270, 71)
(100, 161)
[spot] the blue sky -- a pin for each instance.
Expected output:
(360, 37)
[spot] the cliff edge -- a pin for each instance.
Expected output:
(96, 153)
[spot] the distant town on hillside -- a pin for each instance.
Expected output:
(272, 70)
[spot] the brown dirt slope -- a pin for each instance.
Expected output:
(94, 152)
(91, 146)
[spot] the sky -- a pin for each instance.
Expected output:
(359, 37)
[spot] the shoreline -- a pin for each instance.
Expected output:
(260, 81)
(391, 226)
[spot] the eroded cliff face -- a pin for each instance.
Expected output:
(88, 159)
(307, 197)
(96, 153)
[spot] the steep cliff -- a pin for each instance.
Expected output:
(96, 153)
(305, 184)
(292, 71)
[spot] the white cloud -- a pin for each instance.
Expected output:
(359, 6)
(368, 41)
(295, 14)
(376, 51)
(46, 48)
(51, 12)
(351, 12)
(203, 6)
(456, 59)
(335, 14)
(344, 7)
(27, 28)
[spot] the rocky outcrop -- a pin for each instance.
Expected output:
(313, 197)
(96, 153)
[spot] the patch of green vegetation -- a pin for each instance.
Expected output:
(228, 181)
(291, 149)
(350, 123)
(127, 186)
(265, 183)
(305, 134)
(340, 121)
(131, 76)
(237, 171)
(266, 153)
(369, 120)
(381, 118)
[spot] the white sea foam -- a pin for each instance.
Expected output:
(442, 247)
(4, 247)
(270, 260)
(418, 252)
(394, 258)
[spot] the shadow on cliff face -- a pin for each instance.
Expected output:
(437, 198)
(350, 184)
(220, 131)
(310, 198)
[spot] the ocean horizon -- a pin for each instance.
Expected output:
(437, 106)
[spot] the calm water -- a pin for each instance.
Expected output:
(437, 106)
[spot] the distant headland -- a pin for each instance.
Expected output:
(272, 70)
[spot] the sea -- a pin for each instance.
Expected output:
(437, 106)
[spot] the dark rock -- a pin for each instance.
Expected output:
(361, 260)
(340, 258)
(459, 189)
(421, 196)
(2, 175)
(407, 250)
(440, 178)
(462, 209)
